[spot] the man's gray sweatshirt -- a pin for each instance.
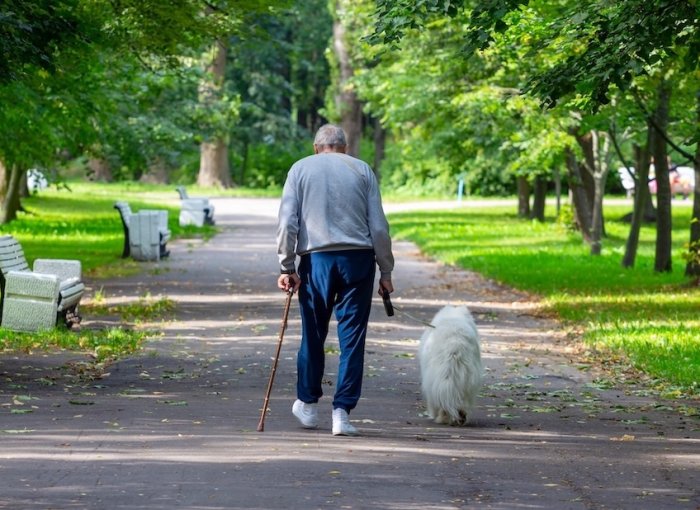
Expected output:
(330, 202)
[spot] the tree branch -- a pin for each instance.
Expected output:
(663, 134)
(613, 137)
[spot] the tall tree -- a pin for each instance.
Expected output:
(214, 167)
(347, 105)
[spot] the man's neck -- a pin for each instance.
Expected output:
(332, 149)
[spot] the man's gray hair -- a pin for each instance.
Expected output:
(330, 134)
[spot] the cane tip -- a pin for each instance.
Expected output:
(261, 428)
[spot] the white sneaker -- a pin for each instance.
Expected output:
(341, 424)
(307, 414)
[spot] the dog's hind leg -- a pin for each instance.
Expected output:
(442, 417)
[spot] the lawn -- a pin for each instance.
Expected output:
(648, 319)
(79, 222)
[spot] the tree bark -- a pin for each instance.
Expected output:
(596, 164)
(12, 203)
(214, 169)
(540, 195)
(692, 268)
(586, 143)
(214, 165)
(99, 170)
(642, 197)
(523, 197)
(662, 262)
(603, 156)
(157, 173)
(4, 183)
(581, 204)
(347, 103)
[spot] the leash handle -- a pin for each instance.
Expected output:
(388, 307)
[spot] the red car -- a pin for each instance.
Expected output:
(682, 179)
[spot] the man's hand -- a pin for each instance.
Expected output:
(289, 281)
(385, 284)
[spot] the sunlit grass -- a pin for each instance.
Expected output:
(652, 318)
(80, 222)
(104, 344)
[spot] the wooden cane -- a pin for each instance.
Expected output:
(261, 424)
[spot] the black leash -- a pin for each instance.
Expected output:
(389, 308)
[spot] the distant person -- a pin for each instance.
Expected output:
(331, 215)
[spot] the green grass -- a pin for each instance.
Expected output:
(651, 319)
(80, 222)
(102, 345)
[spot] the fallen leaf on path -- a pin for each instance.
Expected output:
(625, 437)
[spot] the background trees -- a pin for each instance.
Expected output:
(580, 61)
(510, 96)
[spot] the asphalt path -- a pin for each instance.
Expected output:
(175, 425)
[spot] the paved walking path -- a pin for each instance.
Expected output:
(175, 427)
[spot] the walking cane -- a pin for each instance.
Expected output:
(261, 424)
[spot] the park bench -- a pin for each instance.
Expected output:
(194, 210)
(146, 232)
(40, 298)
(627, 180)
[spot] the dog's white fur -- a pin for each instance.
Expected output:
(450, 365)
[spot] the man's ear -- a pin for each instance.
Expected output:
(315, 149)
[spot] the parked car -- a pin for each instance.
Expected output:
(682, 180)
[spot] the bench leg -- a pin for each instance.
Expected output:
(69, 317)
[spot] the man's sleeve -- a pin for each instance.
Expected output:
(379, 230)
(288, 224)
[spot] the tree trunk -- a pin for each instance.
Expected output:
(586, 143)
(12, 203)
(596, 167)
(642, 197)
(579, 197)
(214, 165)
(557, 190)
(540, 195)
(601, 161)
(692, 268)
(662, 262)
(4, 183)
(23, 186)
(244, 162)
(99, 170)
(523, 197)
(347, 103)
(214, 170)
(157, 173)
(649, 214)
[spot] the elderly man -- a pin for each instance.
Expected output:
(331, 216)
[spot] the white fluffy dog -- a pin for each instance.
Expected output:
(450, 365)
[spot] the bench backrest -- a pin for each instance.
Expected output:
(124, 211)
(11, 257)
(626, 178)
(183, 192)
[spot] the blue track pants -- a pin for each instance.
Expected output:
(342, 281)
